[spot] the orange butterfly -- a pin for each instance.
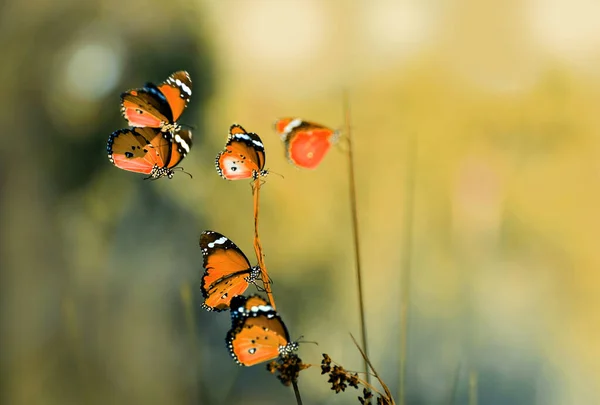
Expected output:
(228, 271)
(148, 150)
(306, 143)
(257, 333)
(158, 106)
(243, 156)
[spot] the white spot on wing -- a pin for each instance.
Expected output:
(183, 87)
(219, 241)
(183, 143)
(293, 124)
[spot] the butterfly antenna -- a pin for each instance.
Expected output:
(188, 126)
(183, 171)
(279, 174)
(299, 340)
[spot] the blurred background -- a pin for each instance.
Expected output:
(476, 134)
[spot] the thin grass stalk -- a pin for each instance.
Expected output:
(354, 210)
(185, 293)
(377, 376)
(473, 387)
(454, 390)
(405, 270)
(258, 246)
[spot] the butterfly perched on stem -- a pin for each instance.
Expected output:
(257, 332)
(158, 106)
(243, 156)
(306, 143)
(228, 271)
(148, 150)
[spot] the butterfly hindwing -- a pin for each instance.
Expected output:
(306, 143)
(147, 150)
(139, 150)
(258, 333)
(146, 107)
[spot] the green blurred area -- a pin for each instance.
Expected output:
(496, 103)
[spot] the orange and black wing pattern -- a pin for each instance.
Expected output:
(181, 145)
(241, 306)
(148, 150)
(243, 156)
(306, 143)
(258, 334)
(227, 271)
(139, 150)
(157, 106)
(177, 89)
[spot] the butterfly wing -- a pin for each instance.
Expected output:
(139, 150)
(257, 338)
(306, 143)
(177, 90)
(181, 145)
(218, 296)
(228, 270)
(146, 107)
(243, 156)
(241, 306)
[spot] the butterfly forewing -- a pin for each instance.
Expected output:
(227, 270)
(181, 145)
(242, 306)
(177, 89)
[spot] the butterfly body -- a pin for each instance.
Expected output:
(243, 156)
(148, 150)
(257, 334)
(306, 143)
(228, 272)
(158, 106)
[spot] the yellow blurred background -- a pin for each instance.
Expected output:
(487, 111)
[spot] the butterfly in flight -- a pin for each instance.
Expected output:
(228, 271)
(243, 156)
(158, 106)
(306, 143)
(148, 150)
(257, 332)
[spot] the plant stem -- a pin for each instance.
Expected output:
(297, 392)
(352, 181)
(407, 262)
(473, 387)
(377, 376)
(258, 246)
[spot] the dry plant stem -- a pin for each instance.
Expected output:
(473, 387)
(297, 392)
(407, 262)
(383, 384)
(363, 326)
(455, 385)
(263, 269)
(257, 245)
